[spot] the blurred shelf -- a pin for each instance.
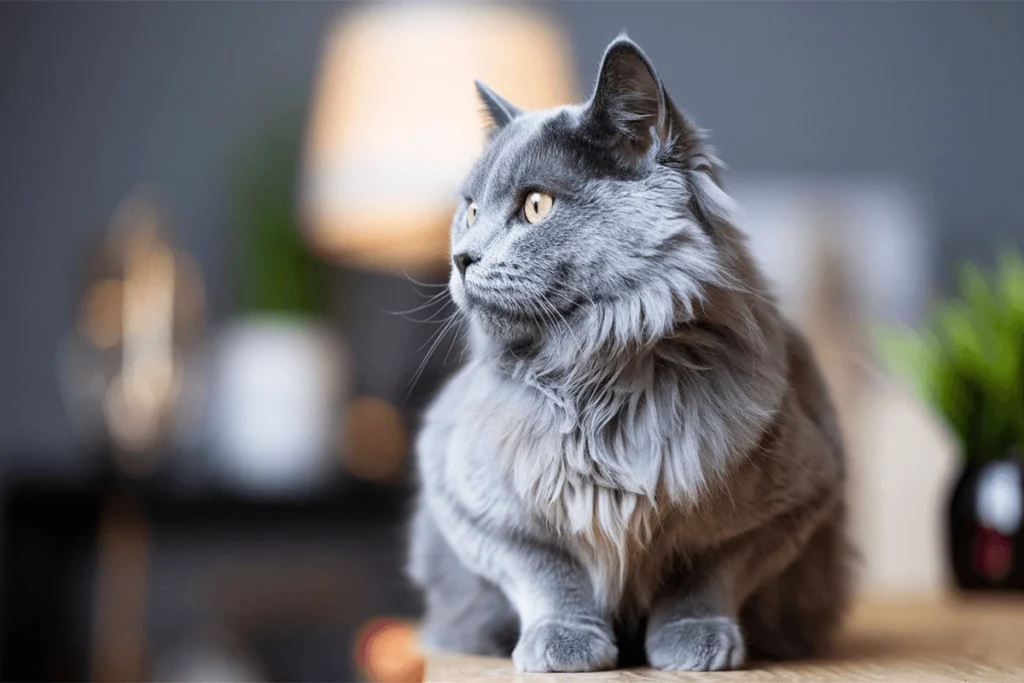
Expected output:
(341, 501)
(292, 576)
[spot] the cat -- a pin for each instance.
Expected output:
(639, 458)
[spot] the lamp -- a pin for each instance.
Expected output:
(139, 316)
(396, 123)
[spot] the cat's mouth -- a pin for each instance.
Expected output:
(501, 307)
(522, 318)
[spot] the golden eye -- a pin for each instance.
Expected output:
(471, 214)
(538, 205)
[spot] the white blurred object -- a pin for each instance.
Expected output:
(998, 501)
(903, 468)
(277, 387)
(878, 225)
(212, 656)
(843, 255)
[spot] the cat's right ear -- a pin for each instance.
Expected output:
(629, 101)
(499, 109)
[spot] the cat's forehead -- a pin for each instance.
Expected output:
(542, 149)
(525, 147)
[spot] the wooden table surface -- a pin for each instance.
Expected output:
(954, 639)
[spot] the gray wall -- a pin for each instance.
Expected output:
(96, 98)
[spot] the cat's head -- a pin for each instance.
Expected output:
(588, 224)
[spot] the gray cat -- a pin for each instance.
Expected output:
(640, 459)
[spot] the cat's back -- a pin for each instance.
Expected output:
(807, 383)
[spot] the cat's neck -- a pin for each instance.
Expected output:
(701, 350)
(660, 416)
(588, 350)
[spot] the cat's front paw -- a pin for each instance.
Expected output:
(711, 644)
(565, 646)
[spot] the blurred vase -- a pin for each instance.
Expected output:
(278, 385)
(986, 526)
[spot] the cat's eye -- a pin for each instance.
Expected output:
(537, 206)
(471, 214)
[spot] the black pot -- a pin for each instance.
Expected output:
(986, 526)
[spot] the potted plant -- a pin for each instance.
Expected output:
(967, 363)
(280, 372)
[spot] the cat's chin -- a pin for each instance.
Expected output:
(496, 318)
(507, 331)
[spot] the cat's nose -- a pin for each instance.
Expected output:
(464, 261)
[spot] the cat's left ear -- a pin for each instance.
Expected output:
(629, 100)
(500, 110)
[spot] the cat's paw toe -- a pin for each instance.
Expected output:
(713, 644)
(565, 646)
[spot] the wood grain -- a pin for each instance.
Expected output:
(955, 639)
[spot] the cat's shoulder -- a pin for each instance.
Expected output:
(473, 384)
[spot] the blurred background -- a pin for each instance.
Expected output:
(222, 245)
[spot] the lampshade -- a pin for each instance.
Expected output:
(396, 121)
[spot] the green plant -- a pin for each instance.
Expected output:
(968, 362)
(274, 268)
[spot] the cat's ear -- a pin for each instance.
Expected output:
(499, 109)
(629, 100)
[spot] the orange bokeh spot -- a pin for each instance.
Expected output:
(386, 651)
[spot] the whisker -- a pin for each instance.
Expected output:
(567, 299)
(416, 282)
(433, 317)
(436, 299)
(455, 338)
(552, 307)
(580, 292)
(440, 330)
(430, 352)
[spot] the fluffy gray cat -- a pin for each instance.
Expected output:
(640, 459)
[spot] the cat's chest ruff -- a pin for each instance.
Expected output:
(587, 473)
(575, 464)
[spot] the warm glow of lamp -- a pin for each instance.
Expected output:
(396, 121)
